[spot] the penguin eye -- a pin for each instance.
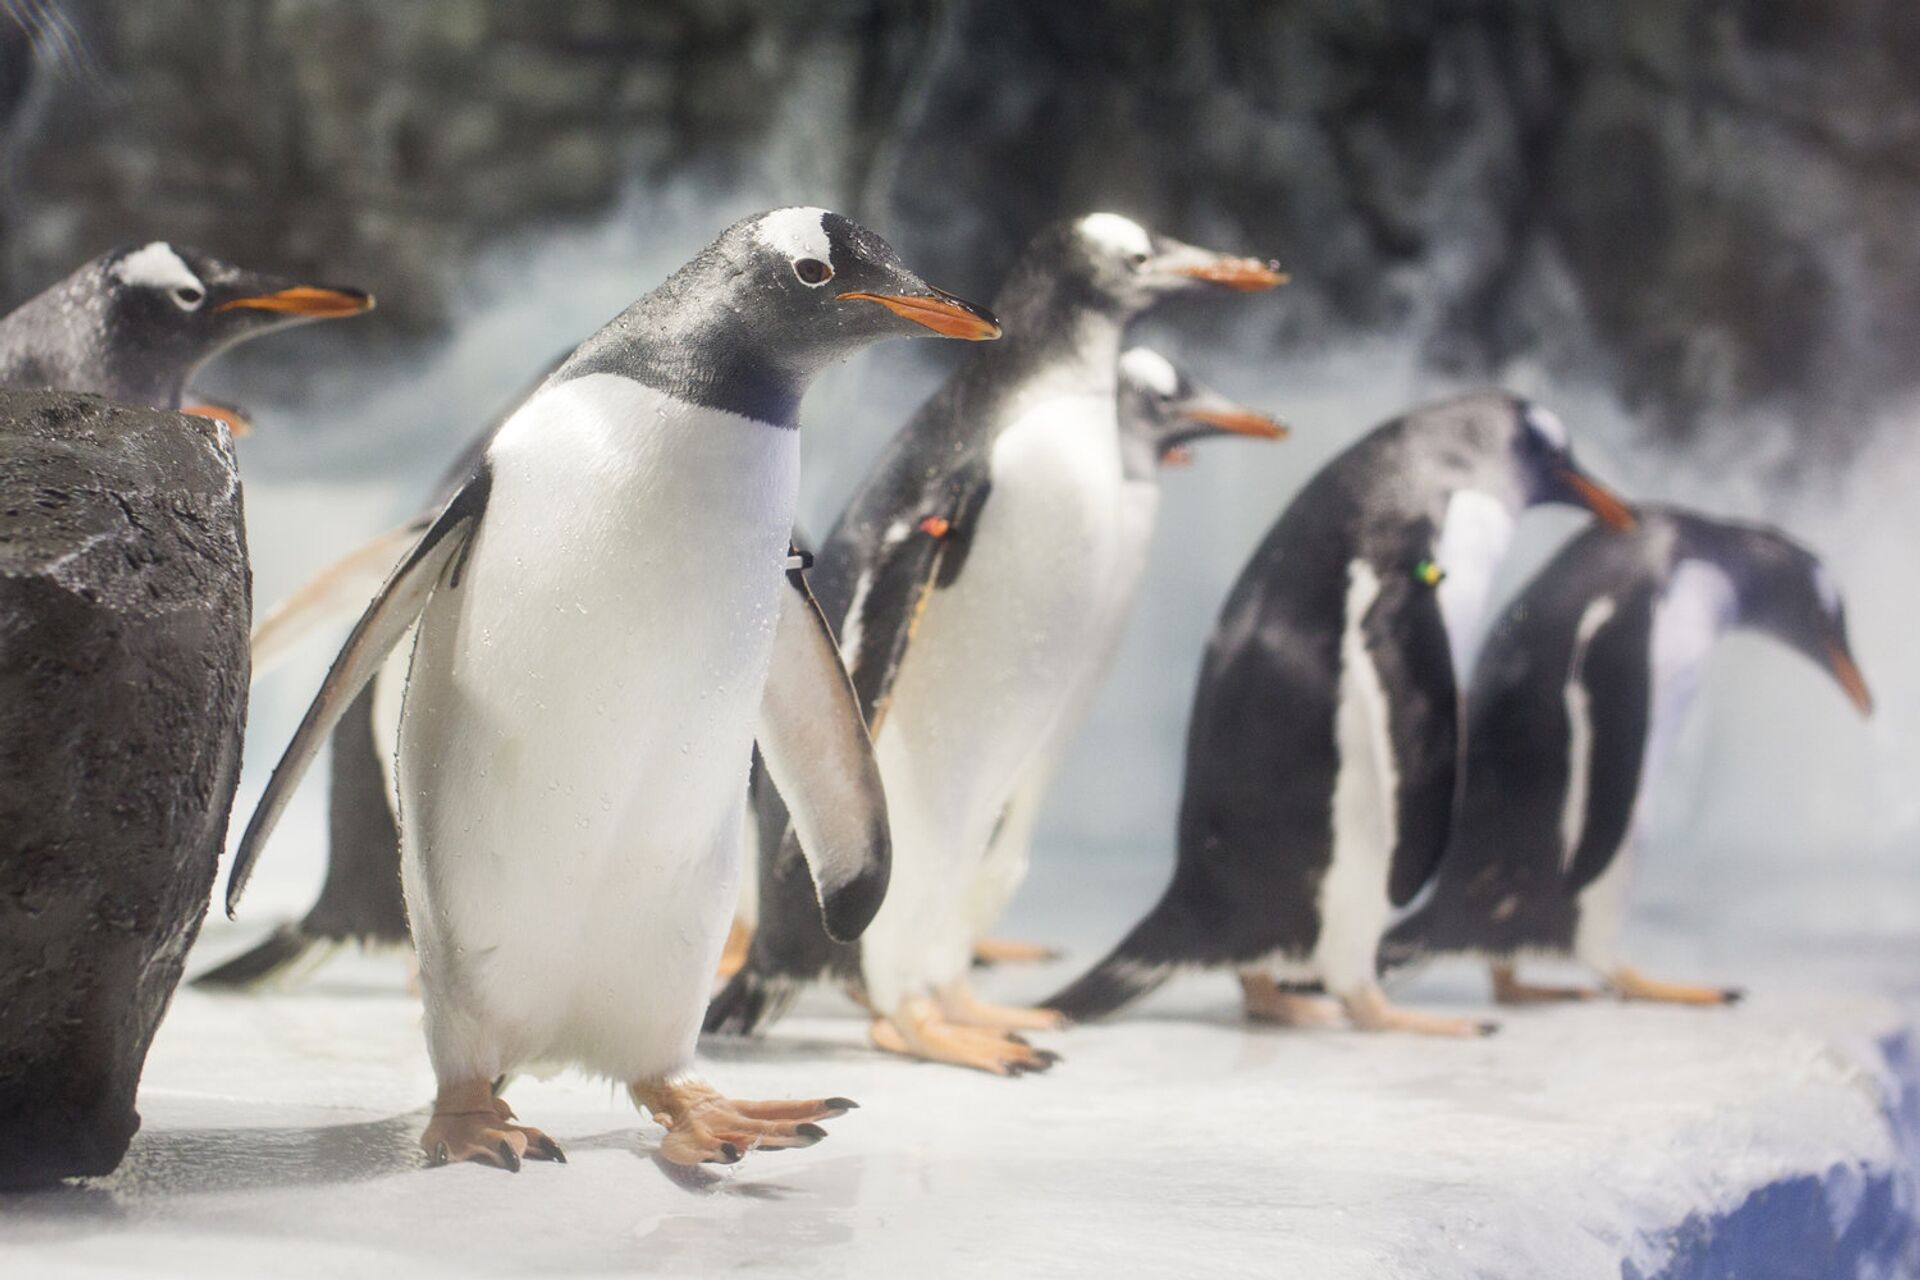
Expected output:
(812, 271)
(1137, 261)
(188, 297)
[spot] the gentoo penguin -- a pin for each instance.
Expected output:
(1162, 410)
(968, 577)
(134, 324)
(360, 900)
(604, 626)
(1577, 695)
(1321, 751)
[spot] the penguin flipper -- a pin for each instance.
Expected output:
(1616, 671)
(815, 745)
(440, 553)
(899, 581)
(1407, 640)
(337, 591)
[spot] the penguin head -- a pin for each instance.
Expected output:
(1162, 409)
(1783, 589)
(821, 286)
(1110, 265)
(1132, 268)
(167, 309)
(1541, 454)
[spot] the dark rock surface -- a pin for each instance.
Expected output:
(124, 603)
(1711, 205)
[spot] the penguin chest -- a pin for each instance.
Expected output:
(1353, 904)
(1139, 513)
(1474, 534)
(581, 707)
(1000, 649)
(1688, 619)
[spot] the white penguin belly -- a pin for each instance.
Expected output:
(1474, 535)
(1689, 617)
(1010, 853)
(991, 671)
(577, 729)
(1354, 905)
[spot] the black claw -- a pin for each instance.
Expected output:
(1487, 1029)
(508, 1160)
(1733, 995)
(1047, 1057)
(440, 1155)
(549, 1150)
(811, 1131)
(729, 1154)
(841, 1104)
(1019, 1039)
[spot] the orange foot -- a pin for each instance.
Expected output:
(1631, 984)
(991, 951)
(1266, 1002)
(739, 938)
(920, 1029)
(469, 1123)
(1371, 1011)
(1508, 989)
(962, 1007)
(705, 1127)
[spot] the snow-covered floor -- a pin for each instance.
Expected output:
(1583, 1141)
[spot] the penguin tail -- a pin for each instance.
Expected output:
(273, 959)
(752, 1001)
(1130, 971)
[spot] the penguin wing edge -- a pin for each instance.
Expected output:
(1615, 669)
(439, 552)
(919, 553)
(339, 589)
(1410, 649)
(817, 751)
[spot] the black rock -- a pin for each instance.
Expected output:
(124, 606)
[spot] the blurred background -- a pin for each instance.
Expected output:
(1691, 226)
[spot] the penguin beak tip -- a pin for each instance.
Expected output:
(310, 301)
(938, 311)
(1246, 275)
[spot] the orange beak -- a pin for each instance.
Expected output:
(1847, 672)
(1242, 422)
(943, 313)
(1249, 275)
(306, 300)
(237, 425)
(1602, 501)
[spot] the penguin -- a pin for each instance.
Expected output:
(1321, 751)
(607, 619)
(1576, 698)
(968, 578)
(1162, 410)
(360, 900)
(135, 324)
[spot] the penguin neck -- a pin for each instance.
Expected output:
(1140, 450)
(691, 354)
(1075, 351)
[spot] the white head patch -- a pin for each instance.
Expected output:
(797, 233)
(156, 266)
(1114, 234)
(1829, 589)
(1145, 367)
(1548, 424)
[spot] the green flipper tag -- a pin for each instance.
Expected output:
(1429, 574)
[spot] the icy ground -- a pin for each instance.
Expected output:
(1778, 1138)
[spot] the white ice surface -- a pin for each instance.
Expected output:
(279, 1131)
